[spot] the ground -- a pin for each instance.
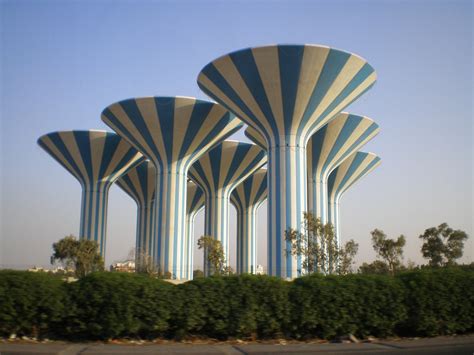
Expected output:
(439, 345)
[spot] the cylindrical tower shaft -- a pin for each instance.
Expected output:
(172, 132)
(218, 172)
(356, 166)
(247, 198)
(139, 183)
(287, 92)
(195, 202)
(96, 159)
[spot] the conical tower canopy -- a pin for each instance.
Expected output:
(96, 159)
(328, 148)
(172, 132)
(256, 137)
(196, 200)
(286, 90)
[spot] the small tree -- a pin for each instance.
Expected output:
(316, 244)
(442, 245)
(389, 250)
(81, 254)
(346, 257)
(145, 264)
(214, 255)
(197, 274)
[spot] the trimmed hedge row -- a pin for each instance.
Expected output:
(114, 305)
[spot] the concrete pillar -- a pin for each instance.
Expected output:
(247, 198)
(139, 183)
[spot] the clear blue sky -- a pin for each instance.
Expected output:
(63, 62)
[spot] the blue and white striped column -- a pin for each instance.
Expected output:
(247, 198)
(139, 183)
(328, 148)
(286, 92)
(96, 159)
(195, 202)
(218, 172)
(173, 132)
(356, 166)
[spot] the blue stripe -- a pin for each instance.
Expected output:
(136, 119)
(245, 63)
(165, 107)
(290, 58)
(317, 145)
(199, 115)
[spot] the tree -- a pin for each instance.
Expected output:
(82, 254)
(442, 245)
(316, 244)
(376, 267)
(389, 250)
(214, 255)
(346, 257)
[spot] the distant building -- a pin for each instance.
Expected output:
(259, 270)
(59, 269)
(123, 266)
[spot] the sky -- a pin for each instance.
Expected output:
(63, 62)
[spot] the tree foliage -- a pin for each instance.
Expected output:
(346, 257)
(389, 250)
(81, 254)
(214, 255)
(316, 244)
(376, 267)
(145, 264)
(442, 245)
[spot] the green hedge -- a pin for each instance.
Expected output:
(439, 301)
(31, 303)
(244, 306)
(114, 305)
(358, 304)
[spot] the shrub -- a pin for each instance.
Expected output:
(234, 306)
(111, 305)
(439, 301)
(327, 306)
(31, 304)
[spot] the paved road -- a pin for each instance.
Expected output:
(441, 345)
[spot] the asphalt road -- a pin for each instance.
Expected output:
(441, 345)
